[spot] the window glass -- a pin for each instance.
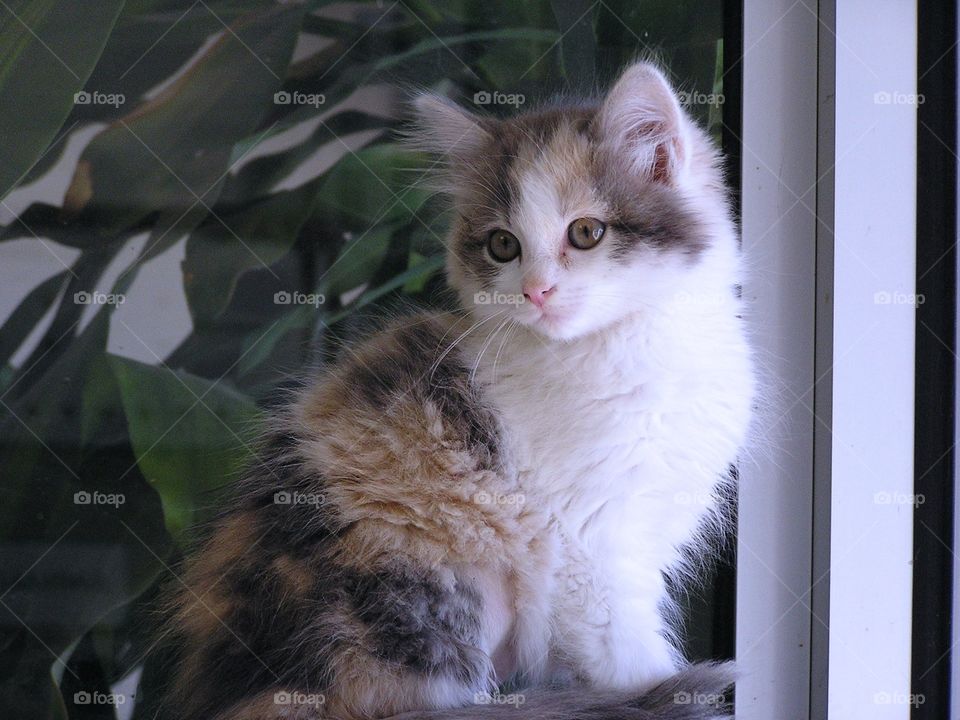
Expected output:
(200, 200)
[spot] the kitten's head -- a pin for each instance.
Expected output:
(568, 219)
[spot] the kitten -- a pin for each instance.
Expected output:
(494, 496)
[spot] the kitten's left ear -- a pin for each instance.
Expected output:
(642, 118)
(445, 129)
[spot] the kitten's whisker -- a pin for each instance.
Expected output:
(511, 329)
(486, 344)
(436, 364)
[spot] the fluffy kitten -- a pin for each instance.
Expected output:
(495, 495)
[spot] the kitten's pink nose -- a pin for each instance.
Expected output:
(538, 293)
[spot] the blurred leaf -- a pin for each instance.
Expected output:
(527, 35)
(374, 185)
(423, 270)
(357, 262)
(49, 49)
(189, 435)
(151, 42)
(21, 322)
(258, 346)
(65, 562)
(170, 153)
(422, 62)
(223, 248)
(41, 220)
(257, 177)
(417, 283)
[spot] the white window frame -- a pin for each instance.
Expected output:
(824, 584)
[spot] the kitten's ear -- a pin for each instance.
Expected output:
(641, 118)
(443, 128)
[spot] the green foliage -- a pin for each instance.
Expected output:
(199, 143)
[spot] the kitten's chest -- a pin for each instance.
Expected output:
(565, 429)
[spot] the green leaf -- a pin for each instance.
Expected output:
(422, 62)
(423, 270)
(28, 314)
(374, 185)
(95, 557)
(357, 262)
(259, 345)
(171, 153)
(49, 49)
(223, 248)
(190, 435)
(526, 35)
(258, 177)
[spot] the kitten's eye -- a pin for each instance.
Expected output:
(503, 246)
(584, 233)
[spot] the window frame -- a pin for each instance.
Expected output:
(811, 642)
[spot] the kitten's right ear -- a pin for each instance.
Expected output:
(642, 120)
(445, 129)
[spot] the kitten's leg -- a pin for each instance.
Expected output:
(408, 638)
(613, 633)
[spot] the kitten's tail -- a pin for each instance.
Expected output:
(694, 693)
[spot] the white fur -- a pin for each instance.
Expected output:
(624, 408)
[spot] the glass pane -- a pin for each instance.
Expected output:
(201, 202)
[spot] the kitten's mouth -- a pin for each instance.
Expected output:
(548, 320)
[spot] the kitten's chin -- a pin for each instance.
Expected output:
(558, 326)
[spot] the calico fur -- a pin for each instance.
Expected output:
(496, 495)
